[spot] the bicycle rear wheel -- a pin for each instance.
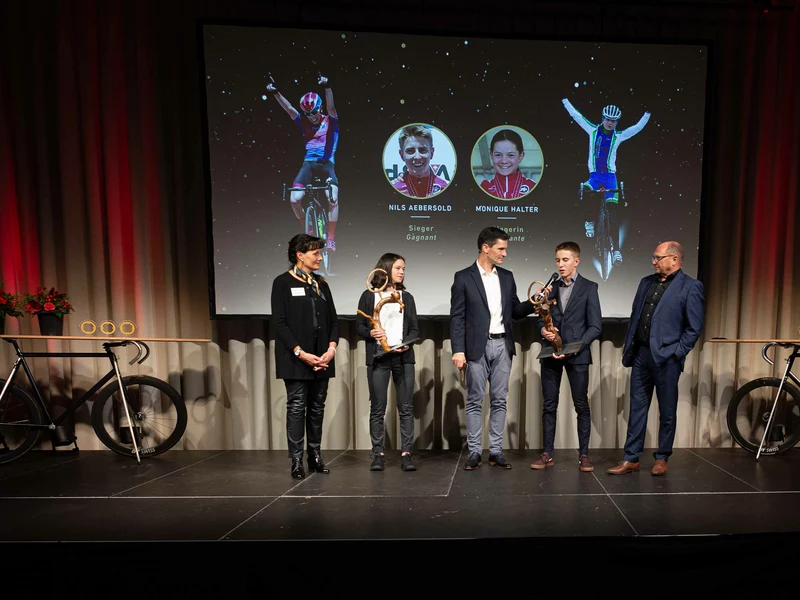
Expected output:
(749, 410)
(157, 411)
(19, 408)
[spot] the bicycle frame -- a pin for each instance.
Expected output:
(787, 374)
(114, 373)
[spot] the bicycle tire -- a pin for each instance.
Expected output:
(326, 254)
(749, 410)
(17, 406)
(603, 243)
(311, 220)
(321, 231)
(158, 410)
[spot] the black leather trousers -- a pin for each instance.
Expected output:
(305, 409)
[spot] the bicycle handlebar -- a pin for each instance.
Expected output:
(328, 186)
(764, 352)
(141, 346)
(782, 345)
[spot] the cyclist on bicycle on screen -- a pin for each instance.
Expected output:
(320, 137)
(604, 140)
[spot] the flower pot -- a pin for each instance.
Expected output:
(2, 324)
(50, 324)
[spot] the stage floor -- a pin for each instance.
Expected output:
(249, 495)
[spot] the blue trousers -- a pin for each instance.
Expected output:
(645, 377)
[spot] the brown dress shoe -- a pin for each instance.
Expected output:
(660, 468)
(585, 464)
(624, 467)
(544, 461)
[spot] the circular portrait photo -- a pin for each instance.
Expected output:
(419, 160)
(507, 162)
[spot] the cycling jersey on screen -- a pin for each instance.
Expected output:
(513, 186)
(603, 144)
(320, 139)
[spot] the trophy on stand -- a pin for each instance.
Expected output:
(375, 318)
(542, 304)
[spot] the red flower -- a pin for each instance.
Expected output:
(2, 300)
(49, 306)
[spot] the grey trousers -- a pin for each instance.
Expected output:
(495, 367)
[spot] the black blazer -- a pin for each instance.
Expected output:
(410, 324)
(582, 321)
(293, 315)
(469, 311)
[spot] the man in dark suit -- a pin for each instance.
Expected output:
(666, 322)
(483, 301)
(577, 317)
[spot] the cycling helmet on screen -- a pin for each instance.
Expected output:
(310, 103)
(612, 112)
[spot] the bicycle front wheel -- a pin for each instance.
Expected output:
(749, 412)
(311, 221)
(17, 409)
(155, 407)
(602, 235)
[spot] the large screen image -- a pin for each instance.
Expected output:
(412, 144)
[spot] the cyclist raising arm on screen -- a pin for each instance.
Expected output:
(320, 138)
(604, 140)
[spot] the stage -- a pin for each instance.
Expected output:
(714, 507)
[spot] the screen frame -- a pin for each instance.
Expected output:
(709, 129)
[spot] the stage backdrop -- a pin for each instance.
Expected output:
(102, 194)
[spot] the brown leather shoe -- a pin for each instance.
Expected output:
(585, 464)
(544, 461)
(624, 467)
(660, 468)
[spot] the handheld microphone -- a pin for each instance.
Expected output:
(540, 294)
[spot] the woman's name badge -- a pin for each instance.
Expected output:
(298, 291)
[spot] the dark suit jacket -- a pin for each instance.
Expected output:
(677, 321)
(410, 324)
(582, 321)
(293, 319)
(469, 311)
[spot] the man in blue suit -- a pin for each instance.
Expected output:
(577, 317)
(666, 322)
(483, 301)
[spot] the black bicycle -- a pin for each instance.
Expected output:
(764, 414)
(316, 200)
(136, 415)
(601, 229)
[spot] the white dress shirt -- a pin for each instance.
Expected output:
(491, 283)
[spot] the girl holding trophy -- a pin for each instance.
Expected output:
(387, 320)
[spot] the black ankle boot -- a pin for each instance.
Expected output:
(297, 469)
(316, 464)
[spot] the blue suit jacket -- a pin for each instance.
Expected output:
(581, 322)
(677, 321)
(469, 311)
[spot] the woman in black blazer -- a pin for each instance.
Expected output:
(306, 335)
(398, 363)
